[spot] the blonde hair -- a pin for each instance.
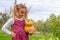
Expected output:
(17, 7)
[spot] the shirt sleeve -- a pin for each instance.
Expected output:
(6, 25)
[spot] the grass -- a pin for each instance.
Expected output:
(4, 36)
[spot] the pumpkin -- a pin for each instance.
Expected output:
(29, 26)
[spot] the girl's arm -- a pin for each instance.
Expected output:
(6, 25)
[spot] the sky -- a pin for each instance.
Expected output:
(40, 9)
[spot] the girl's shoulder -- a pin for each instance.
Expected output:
(11, 20)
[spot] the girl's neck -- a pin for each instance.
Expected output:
(18, 18)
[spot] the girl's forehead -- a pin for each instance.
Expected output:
(23, 9)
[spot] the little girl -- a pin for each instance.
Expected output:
(17, 23)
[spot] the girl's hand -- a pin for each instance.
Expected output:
(31, 31)
(13, 34)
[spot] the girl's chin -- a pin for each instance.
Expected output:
(21, 17)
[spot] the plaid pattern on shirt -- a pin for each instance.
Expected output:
(18, 28)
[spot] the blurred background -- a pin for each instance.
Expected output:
(45, 15)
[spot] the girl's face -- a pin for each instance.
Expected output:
(21, 13)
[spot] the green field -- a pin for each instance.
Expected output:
(4, 36)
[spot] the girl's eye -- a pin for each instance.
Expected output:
(22, 12)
